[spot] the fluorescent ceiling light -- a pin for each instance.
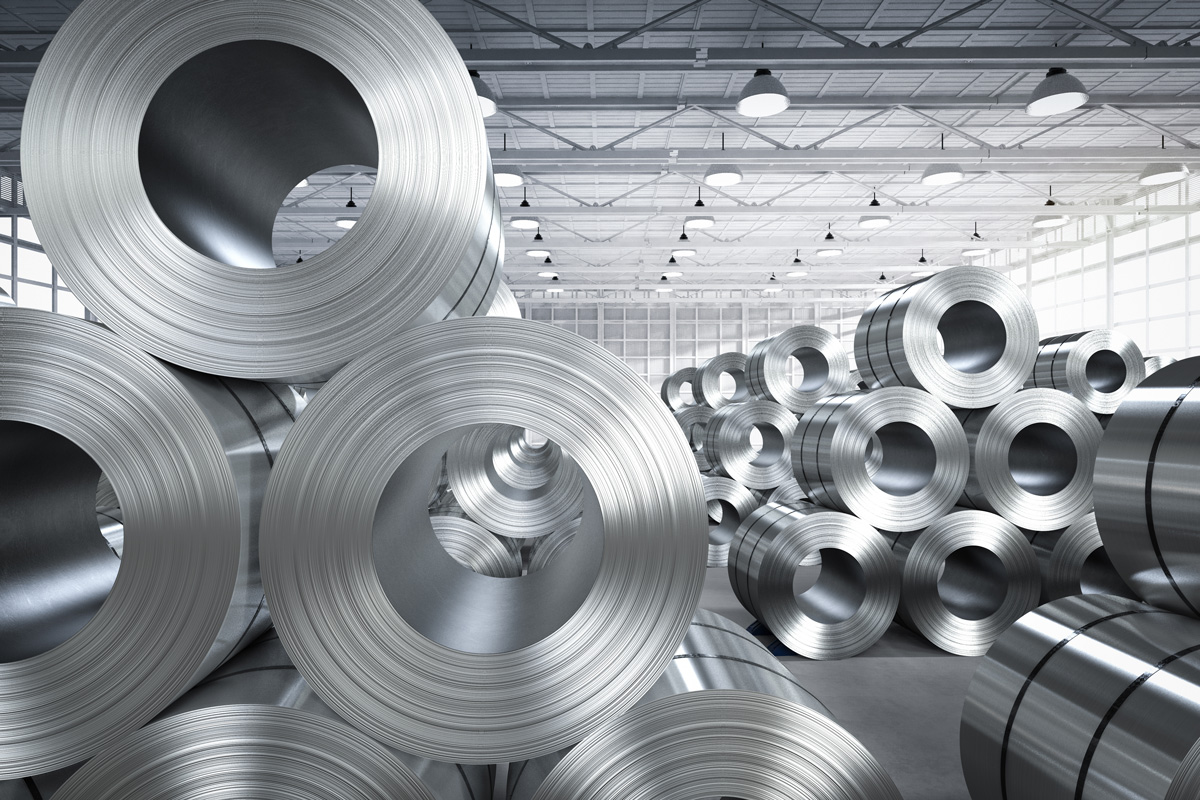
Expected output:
(508, 177)
(487, 100)
(771, 289)
(538, 253)
(672, 274)
(976, 250)
(829, 252)
(762, 96)
(345, 222)
(550, 275)
(683, 253)
(942, 174)
(553, 289)
(1161, 174)
(663, 289)
(1051, 219)
(525, 223)
(874, 221)
(723, 175)
(1059, 91)
(796, 274)
(698, 223)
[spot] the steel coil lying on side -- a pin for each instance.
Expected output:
(897, 457)
(1145, 488)
(504, 304)
(512, 486)
(728, 447)
(821, 356)
(182, 110)
(1073, 561)
(672, 388)
(1087, 697)
(1098, 367)
(1031, 458)
(966, 578)
(694, 421)
(188, 457)
(475, 548)
(967, 335)
(854, 598)
(443, 662)
(706, 382)
(728, 504)
(787, 492)
(1155, 363)
(549, 548)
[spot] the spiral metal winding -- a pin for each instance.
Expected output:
(672, 388)
(706, 382)
(728, 447)
(475, 548)
(1100, 368)
(1073, 561)
(820, 355)
(728, 504)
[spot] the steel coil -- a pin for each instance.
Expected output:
(672, 388)
(787, 492)
(706, 382)
(440, 661)
(967, 335)
(161, 141)
(1145, 488)
(1099, 367)
(728, 446)
(6, 299)
(897, 457)
(188, 456)
(728, 504)
(504, 304)
(475, 548)
(856, 381)
(1073, 561)
(1032, 457)
(822, 359)
(1155, 363)
(854, 597)
(548, 549)
(513, 484)
(1087, 697)
(694, 421)
(966, 578)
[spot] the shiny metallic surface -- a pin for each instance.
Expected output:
(728, 504)
(475, 548)
(694, 421)
(897, 458)
(1032, 456)
(728, 447)
(493, 670)
(161, 140)
(1147, 471)
(672, 387)
(1153, 363)
(504, 304)
(966, 578)
(706, 382)
(188, 456)
(854, 598)
(787, 492)
(549, 548)
(1090, 697)
(966, 335)
(822, 359)
(1073, 561)
(1099, 367)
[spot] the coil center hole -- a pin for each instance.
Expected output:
(733, 386)
(58, 567)
(1099, 576)
(685, 393)
(807, 369)
(1042, 459)
(723, 522)
(973, 336)
(832, 590)
(766, 445)
(1105, 371)
(903, 458)
(973, 583)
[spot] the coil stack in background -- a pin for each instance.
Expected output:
(1099, 367)
(728, 446)
(729, 503)
(694, 421)
(672, 388)
(1155, 363)
(825, 366)
(706, 381)
(1073, 561)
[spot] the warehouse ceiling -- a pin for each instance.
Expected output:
(614, 110)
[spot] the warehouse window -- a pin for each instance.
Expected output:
(27, 274)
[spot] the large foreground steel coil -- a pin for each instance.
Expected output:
(1032, 456)
(1087, 698)
(1098, 367)
(966, 578)
(728, 446)
(967, 335)
(672, 388)
(851, 603)
(161, 140)
(188, 457)
(430, 657)
(694, 421)
(821, 357)
(1146, 488)
(728, 504)
(1073, 561)
(897, 457)
(706, 381)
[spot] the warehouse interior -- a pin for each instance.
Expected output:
(502, 337)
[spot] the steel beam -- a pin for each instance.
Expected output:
(653, 24)
(1093, 22)
(937, 23)
(1159, 129)
(523, 25)
(806, 23)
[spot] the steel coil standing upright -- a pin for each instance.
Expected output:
(475, 548)
(1073, 561)
(825, 365)
(1087, 697)
(430, 657)
(188, 457)
(1145, 488)
(728, 504)
(504, 304)
(512, 484)
(897, 458)
(706, 382)
(1099, 367)
(966, 578)
(967, 335)
(1032, 456)
(694, 421)
(728, 447)
(854, 598)
(1155, 363)
(161, 143)
(672, 388)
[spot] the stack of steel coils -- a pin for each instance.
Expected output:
(728, 504)
(1099, 367)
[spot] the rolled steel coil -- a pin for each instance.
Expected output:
(728, 504)
(856, 381)
(694, 421)
(511, 485)
(966, 578)
(787, 492)
(1032, 457)
(825, 365)
(1099, 367)
(1073, 561)
(706, 383)
(188, 456)
(1087, 697)
(475, 548)
(161, 144)
(851, 603)
(109, 516)
(1145, 488)
(967, 335)
(672, 388)
(896, 457)
(549, 548)
(728, 447)
(440, 661)
(1155, 363)
(504, 304)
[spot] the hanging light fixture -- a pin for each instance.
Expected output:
(762, 96)
(796, 260)
(550, 275)
(942, 174)
(508, 176)
(346, 223)
(682, 252)
(1162, 173)
(487, 100)
(795, 263)
(672, 260)
(525, 224)
(524, 198)
(698, 223)
(829, 247)
(537, 253)
(978, 246)
(547, 261)
(874, 220)
(554, 288)
(300, 257)
(723, 174)
(922, 259)
(1052, 218)
(882, 278)
(699, 202)
(1059, 91)
(773, 286)
(683, 237)
(537, 237)
(662, 287)
(351, 204)
(671, 274)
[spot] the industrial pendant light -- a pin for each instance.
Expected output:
(797, 262)
(547, 261)
(300, 257)
(1162, 173)
(537, 237)
(525, 198)
(874, 221)
(773, 286)
(537, 252)
(525, 223)
(723, 174)
(762, 96)
(978, 247)
(942, 174)
(554, 288)
(829, 247)
(663, 286)
(345, 223)
(487, 100)
(699, 203)
(683, 237)
(672, 260)
(507, 176)
(699, 223)
(351, 204)
(682, 252)
(1059, 91)
(1052, 218)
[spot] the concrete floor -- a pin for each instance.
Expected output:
(902, 699)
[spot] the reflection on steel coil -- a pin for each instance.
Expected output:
(475, 548)
(823, 360)
(1073, 561)
(706, 382)
(549, 548)
(728, 504)
(1098, 367)
(672, 388)
(504, 304)
(694, 421)
(1153, 363)
(728, 446)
